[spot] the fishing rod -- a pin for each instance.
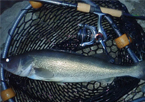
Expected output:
(99, 35)
(121, 13)
(80, 7)
(89, 7)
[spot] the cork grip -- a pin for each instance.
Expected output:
(83, 7)
(113, 12)
(123, 41)
(7, 94)
(36, 5)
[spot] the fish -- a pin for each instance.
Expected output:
(59, 66)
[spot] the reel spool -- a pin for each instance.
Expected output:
(87, 35)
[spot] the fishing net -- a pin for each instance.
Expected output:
(56, 27)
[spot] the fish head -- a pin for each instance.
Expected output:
(10, 64)
(16, 64)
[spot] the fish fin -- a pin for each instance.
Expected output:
(35, 77)
(106, 80)
(143, 89)
(60, 83)
(41, 74)
(26, 70)
(104, 57)
(101, 56)
(56, 79)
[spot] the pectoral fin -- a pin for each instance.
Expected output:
(107, 80)
(41, 74)
(60, 83)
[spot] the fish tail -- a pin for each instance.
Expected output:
(141, 68)
(143, 73)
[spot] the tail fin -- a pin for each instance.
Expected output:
(141, 68)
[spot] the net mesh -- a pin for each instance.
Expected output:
(56, 27)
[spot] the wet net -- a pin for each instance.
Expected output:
(56, 27)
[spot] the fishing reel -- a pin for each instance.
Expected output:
(88, 35)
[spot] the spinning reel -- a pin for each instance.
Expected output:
(88, 35)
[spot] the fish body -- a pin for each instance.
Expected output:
(66, 67)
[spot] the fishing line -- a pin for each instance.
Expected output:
(136, 17)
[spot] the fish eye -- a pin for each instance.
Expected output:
(7, 60)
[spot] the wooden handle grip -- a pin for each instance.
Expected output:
(113, 12)
(86, 8)
(83, 7)
(7, 94)
(36, 5)
(123, 41)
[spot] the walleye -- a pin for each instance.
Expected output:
(65, 67)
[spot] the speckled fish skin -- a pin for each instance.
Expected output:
(65, 67)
